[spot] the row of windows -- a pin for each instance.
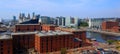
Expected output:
(69, 44)
(3, 52)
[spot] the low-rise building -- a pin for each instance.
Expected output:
(6, 46)
(27, 27)
(96, 23)
(48, 27)
(110, 26)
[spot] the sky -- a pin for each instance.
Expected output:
(53, 8)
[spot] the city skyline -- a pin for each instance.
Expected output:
(79, 8)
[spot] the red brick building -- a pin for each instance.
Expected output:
(23, 40)
(27, 27)
(48, 27)
(56, 40)
(110, 26)
(27, 36)
(77, 33)
(6, 46)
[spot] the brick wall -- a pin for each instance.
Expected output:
(23, 41)
(23, 28)
(110, 26)
(6, 46)
(48, 27)
(55, 43)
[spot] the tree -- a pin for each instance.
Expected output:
(110, 41)
(83, 24)
(63, 51)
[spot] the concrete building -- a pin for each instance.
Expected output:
(23, 18)
(96, 23)
(67, 21)
(44, 20)
(60, 21)
(6, 44)
(72, 22)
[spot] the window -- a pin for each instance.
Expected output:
(1, 52)
(1, 49)
(1, 45)
(34, 29)
(8, 51)
(1, 41)
(18, 29)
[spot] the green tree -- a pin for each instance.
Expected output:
(83, 24)
(63, 51)
(110, 41)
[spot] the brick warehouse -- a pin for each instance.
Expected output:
(48, 40)
(27, 27)
(48, 27)
(55, 40)
(6, 46)
(23, 40)
(110, 26)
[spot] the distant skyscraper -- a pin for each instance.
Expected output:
(37, 16)
(14, 21)
(72, 22)
(33, 14)
(44, 19)
(14, 18)
(23, 15)
(60, 21)
(28, 16)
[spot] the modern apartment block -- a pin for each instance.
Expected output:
(111, 26)
(44, 20)
(96, 23)
(68, 21)
(6, 44)
(72, 22)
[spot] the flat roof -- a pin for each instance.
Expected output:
(43, 33)
(27, 24)
(21, 33)
(5, 37)
(71, 29)
(52, 33)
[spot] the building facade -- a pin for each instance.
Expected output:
(6, 46)
(111, 26)
(43, 39)
(44, 20)
(27, 27)
(48, 27)
(23, 41)
(72, 22)
(96, 23)
(56, 40)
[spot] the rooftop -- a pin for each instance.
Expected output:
(32, 21)
(43, 33)
(27, 24)
(5, 36)
(51, 33)
(20, 33)
(70, 29)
